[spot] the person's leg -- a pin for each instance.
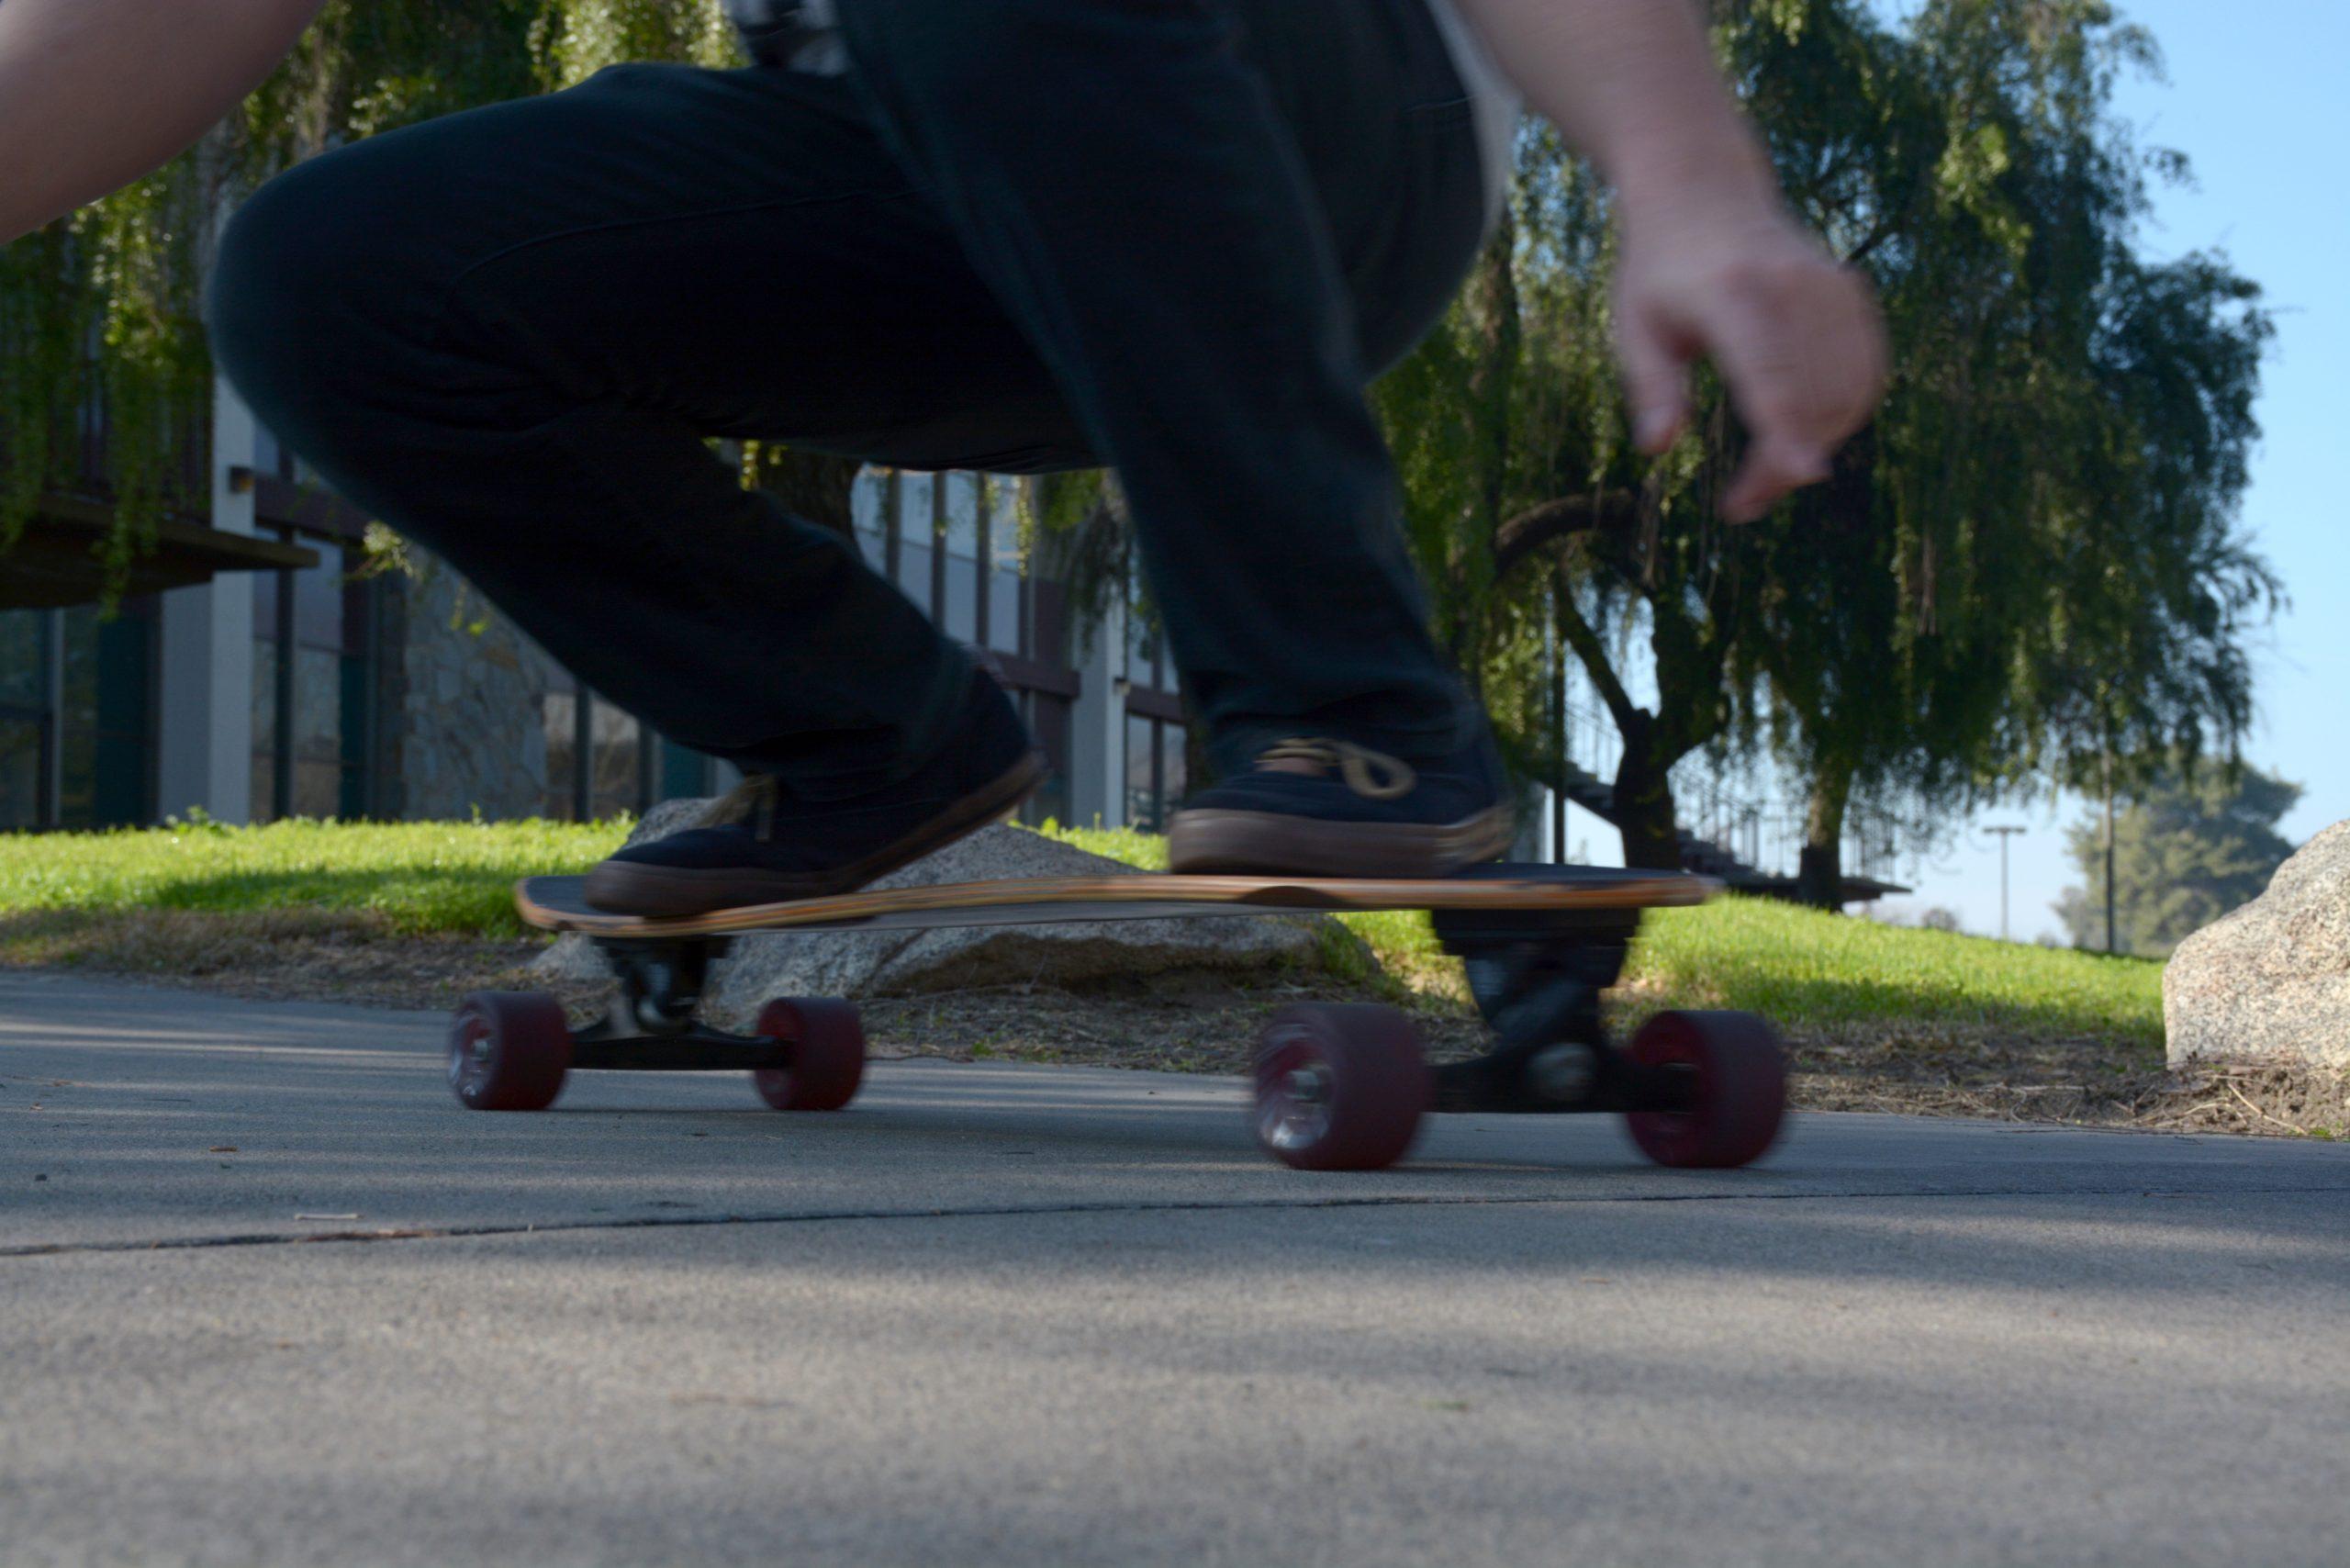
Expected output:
(505, 332)
(1126, 179)
(1177, 210)
(508, 335)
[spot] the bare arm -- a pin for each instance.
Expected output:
(1711, 263)
(96, 93)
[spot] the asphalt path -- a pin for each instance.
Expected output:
(267, 1295)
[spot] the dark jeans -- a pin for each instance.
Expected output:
(1176, 236)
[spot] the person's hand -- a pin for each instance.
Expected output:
(1795, 335)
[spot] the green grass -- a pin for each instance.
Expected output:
(1805, 968)
(420, 877)
(1810, 969)
(1147, 850)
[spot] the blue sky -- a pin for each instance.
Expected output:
(2255, 97)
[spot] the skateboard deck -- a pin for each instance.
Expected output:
(555, 903)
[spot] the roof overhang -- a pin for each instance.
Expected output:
(53, 562)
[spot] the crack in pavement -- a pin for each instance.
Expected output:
(1202, 1205)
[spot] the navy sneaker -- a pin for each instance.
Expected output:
(1328, 808)
(759, 846)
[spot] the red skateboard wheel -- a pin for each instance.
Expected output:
(509, 1051)
(1340, 1087)
(826, 1040)
(1738, 1088)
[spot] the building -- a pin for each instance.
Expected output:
(339, 689)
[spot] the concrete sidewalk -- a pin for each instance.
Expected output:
(1024, 1316)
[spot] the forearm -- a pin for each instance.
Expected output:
(96, 93)
(1632, 85)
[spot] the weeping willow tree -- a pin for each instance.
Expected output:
(98, 311)
(2033, 561)
(2030, 563)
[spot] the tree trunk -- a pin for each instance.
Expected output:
(1819, 875)
(1644, 811)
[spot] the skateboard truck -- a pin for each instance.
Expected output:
(660, 981)
(512, 1050)
(649, 1025)
(1538, 979)
(1344, 1087)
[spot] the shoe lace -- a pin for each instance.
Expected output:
(1373, 774)
(751, 802)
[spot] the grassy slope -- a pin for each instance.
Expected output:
(419, 877)
(1804, 969)
(1809, 969)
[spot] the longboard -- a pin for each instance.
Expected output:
(1338, 1086)
(556, 904)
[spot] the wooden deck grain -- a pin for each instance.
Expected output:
(555, 903)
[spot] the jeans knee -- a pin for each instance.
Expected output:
(302, 283)
(267, 302)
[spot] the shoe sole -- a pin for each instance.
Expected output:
(1273, 844)
(660, 892)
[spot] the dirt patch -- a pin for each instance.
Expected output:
(1953, 1070)
(279, 955)
(1194, 1024)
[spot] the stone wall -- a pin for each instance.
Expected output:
(466, 717)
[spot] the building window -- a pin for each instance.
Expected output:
(1142, 645)
(26, 706)
(951, 543)
(312, 706)
(1049, 721)
(948, 542)
(106, 756)
(1007, 618)
(1143, 796)
(1155, 734)
(77, 743)
(1154, 771)
(620, 773)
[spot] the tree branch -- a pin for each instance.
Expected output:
(1579, 636)
(1877, 236)
(1535, 530)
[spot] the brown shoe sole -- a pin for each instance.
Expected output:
(628, 887)
(1270, 843)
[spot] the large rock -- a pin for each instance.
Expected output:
(2271, 983)
(881, 963)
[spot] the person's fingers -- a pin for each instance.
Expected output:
(1851, 349)
(1761, 337)
(1799, 351)
(1797, 339)
(1867, 349)
(1656, 377)
(1772, 470)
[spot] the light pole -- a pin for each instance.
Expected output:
(2005, 834)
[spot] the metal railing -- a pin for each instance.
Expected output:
(1741, 809)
